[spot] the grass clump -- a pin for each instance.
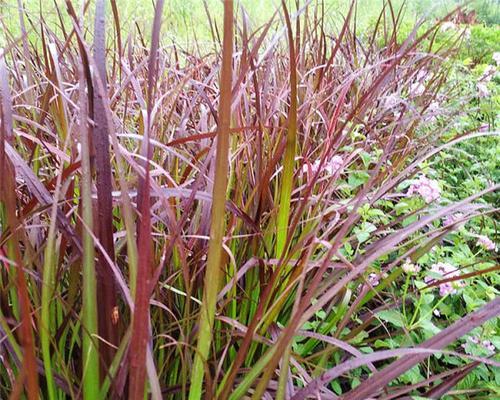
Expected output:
(268, 221)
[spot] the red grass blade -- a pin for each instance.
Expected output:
(106, 290)
(438, 391)
(140, 317)
(8, 198)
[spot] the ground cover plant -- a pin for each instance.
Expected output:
(294, 211)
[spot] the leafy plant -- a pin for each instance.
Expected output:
(268, 220)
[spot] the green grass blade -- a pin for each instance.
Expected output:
(291, 144)
(214, 269)
(90, 380)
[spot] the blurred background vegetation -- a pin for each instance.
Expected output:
(186, 20)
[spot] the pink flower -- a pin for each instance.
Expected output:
(423, 75)
(486, 243)
(434, 107)
(488, 346)
(373, 279)
(433, 111)
(488, 73)
(409, 267)
(448, 25)
(331, 166)
(392, 101)
(314, 167)
(467, 34)
(474, 339)
(496, 57)
(417, 89)
(482, 90)
(446, 288)
(484, 128)
(427, 188)
(445, 270)
(334, 165)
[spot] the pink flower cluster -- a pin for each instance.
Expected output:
(417, 89)
(496, 58)
(486, 243)
(334, 165)
(373, 279)
(446, 271)
(490, 347)
(425, 187)
(448, 25)
(485, 344)
(488, 74)
(433, 111)
(482, 90)
(409, 267)
(392, 104)
(331, 166)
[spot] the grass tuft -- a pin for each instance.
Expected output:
(282, 213)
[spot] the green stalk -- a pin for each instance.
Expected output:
(291, 144)
(115, 365)
(48, 289)
(252, 375)
(282, 381)
(90, 379)
(286, 184)
(46, 328)
(14, 298)
(48, 321)
(214, 270)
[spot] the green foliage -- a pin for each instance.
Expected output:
(380, 168)
(488, 11)
(483, 42)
